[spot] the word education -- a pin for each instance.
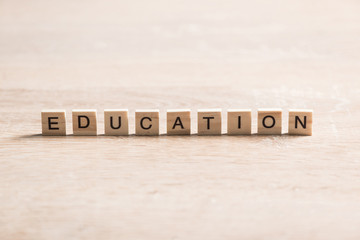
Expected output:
(116, 122)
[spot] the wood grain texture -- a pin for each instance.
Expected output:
(300, 122)
(269, 121)
(178, 121)
(53, 122)
(147, 122)
(179, 54)
(209, 122)
(84, 122)
(239, 122)
(116, 122)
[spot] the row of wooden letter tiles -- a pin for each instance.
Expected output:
(178, 122)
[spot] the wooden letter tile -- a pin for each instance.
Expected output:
(209, 122)
(53, 122)
(147, 122)
(84, 122)
(300, 122)
(178, 122)
(116, 122)
(269, 121)
(239, 121)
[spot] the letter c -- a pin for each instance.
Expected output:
(142, 125)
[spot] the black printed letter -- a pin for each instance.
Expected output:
(178, 123)
(54, 123)
(141, 123)
(112, 124)
(301, 123)
(87, 121)
(272, 125)
(208, 121)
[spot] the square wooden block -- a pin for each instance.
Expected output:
(147, 122)
(209, 122)
(116, 122)
(84, 122)
(269, 121)
(178, 122)
(239, 121)
(300, 122)
(53, 122)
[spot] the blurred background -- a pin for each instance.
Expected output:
(170, 54)
(80, 44)
(179, 54)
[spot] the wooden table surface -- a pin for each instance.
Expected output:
(180, 54)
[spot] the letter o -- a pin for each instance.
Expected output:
(268, 126)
